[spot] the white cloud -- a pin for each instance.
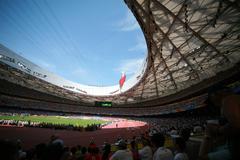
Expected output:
(79, 72)
(130, 66)
(128, 23)
(82, 75)
(140, 45)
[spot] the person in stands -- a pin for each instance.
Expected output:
(180, 146)
(192, 148)
(146, 152)
(106, 151)
(123, 153)
(210, 149)
(134, 150)
(93, 152)
(161, 152)
(8, 150)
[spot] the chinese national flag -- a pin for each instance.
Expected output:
(122, 80)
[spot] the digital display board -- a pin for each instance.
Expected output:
(103, 104)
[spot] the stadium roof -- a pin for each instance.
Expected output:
(188, 42)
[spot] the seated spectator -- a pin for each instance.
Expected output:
(180, 146)
(54, 151)
(123, 153)
(73, 152)
(197, 129)
(192, 147)
(106, 152)
(83, 153)
(21, 153)
(40, 151)
(78, 151)
(8, 150)
(146, 152)
(54, 139)
(161, 153)
(134, 150)
(66, 154)
(230, 108)
(173, 131)
(93, 152)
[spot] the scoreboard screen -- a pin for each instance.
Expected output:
(103, 104)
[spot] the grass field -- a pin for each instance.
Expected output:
(54, 120)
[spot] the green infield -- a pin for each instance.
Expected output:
(54, 120)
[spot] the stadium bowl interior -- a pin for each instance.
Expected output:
(186, 59)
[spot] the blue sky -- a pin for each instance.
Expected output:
(89, 42)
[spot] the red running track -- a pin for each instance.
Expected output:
(123, 123)
(33, 136)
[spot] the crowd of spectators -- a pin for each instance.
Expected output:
(219, 139)
(92, 127)
(22, 123)
(144, 147)
(21, 90)
(173, 126)
(20, 102)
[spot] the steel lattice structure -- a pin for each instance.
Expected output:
(188, 43)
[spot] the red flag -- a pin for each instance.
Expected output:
(122, 80)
